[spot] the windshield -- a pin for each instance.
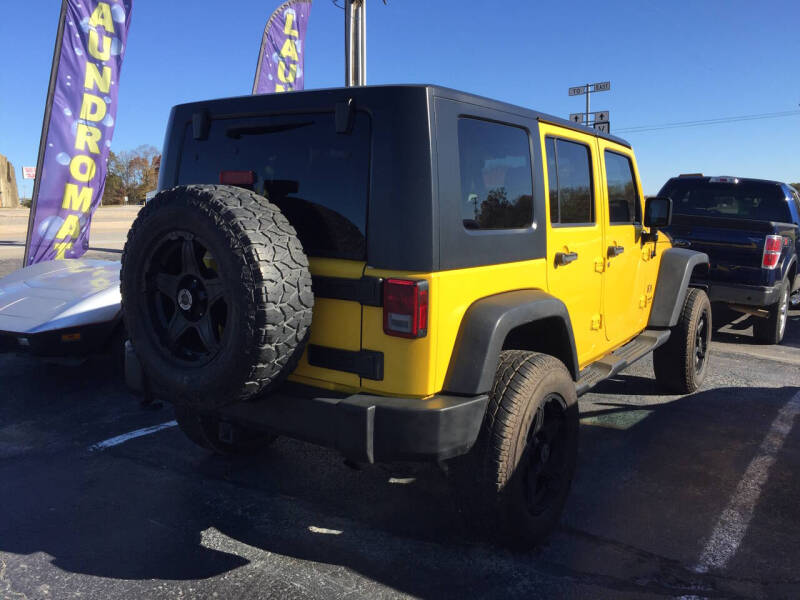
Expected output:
(756, 201)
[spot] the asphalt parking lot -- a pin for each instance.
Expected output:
(684, 497)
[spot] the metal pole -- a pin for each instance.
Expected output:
(587, 105)
(355, 43)
(349, 63)
(362, 67)
(48, 108)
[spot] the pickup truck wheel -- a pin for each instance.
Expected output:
(216, 294)
(527, 449)
(772, 329)
(205, 431)
(680, 365)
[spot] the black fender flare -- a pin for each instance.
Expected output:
(672, 284)
(484, 328)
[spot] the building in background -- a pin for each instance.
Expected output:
(9, 196)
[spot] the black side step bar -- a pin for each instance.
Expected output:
(623, 357)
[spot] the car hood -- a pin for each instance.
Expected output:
(59, 294)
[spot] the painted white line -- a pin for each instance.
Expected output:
(116, 441)
(734, 520)
(323, 530)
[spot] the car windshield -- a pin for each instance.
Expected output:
(756, 201)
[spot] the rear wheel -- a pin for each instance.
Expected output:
(527, 450)
(223, 438)
(772, 329)
(681, 364)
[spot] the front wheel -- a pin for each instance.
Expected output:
(680, 365)
(527, 450)
(772, 329)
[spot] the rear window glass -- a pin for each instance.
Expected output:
(317, 177)
(745, 200)
(496, 178)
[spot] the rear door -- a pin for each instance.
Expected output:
(625, 291)
(575, 236)
(319, 179)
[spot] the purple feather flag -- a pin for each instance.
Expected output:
(280, 60)
(79, 124)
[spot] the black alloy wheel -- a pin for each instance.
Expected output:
(701, 340)
(546, 456)
(186, 298)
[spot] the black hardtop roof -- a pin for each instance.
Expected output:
(434, 90)
(708, 178)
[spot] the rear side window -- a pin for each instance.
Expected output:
(496, 178)
(569, 173)
(623, 198)
(752, 200)
(317, 177)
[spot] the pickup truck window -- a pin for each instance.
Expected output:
(569, 174)
(751, 200)
(623, 204)
(496, 177)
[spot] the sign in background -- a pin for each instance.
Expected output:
(280, 59)
(29, 172)
(79, 124)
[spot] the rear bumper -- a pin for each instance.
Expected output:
(363, 427)
(368, 428)
(748, 295)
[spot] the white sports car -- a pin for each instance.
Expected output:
(62, 309)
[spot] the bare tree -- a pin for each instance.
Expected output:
(131, 173)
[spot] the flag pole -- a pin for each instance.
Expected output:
(48, 108)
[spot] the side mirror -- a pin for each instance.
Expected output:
(657, 212)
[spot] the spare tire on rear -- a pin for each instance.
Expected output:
(216, 295)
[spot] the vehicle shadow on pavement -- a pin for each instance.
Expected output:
(734, 327)
(649, 491)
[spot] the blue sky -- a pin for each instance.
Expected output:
(667, 61)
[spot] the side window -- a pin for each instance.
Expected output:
(496, 178)
(623, 197)
(569, 171)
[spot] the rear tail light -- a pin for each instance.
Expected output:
(772, 251)
(240, 178)
(405, 308)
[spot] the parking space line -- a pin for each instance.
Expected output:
(117, 440)
(733, 522)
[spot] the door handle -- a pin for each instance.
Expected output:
(615, 251)
(564, 258)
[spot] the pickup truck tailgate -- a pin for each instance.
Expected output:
(734, 246)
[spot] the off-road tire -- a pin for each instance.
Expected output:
(204, 430)
(677, 364)
(262, 272)
(528, 387)
(772, 329)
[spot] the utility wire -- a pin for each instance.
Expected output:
(680, 124)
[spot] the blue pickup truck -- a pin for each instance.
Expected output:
(749, 229)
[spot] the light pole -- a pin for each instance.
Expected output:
(355, 43)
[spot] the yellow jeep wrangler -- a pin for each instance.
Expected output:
(404, 273)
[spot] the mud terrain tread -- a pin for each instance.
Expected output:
(270, 263)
